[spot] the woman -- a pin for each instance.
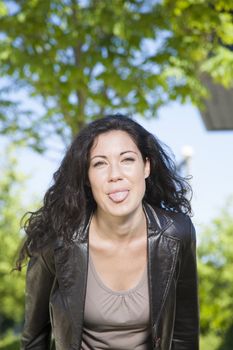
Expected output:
(112, 250)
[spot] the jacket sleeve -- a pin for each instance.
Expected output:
(36, 333)
(186, 327)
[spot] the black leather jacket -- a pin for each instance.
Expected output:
(56, 286)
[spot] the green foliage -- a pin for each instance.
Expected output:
(83, 59)
(11, 282)
(210, 341)
(216, 279)
(9, 342)
(227, 341)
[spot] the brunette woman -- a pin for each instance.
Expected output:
(112, 250)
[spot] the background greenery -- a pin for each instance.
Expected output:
(11, 282)
(81, 59)
(215, 254)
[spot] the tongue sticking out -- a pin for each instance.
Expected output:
(118, 196)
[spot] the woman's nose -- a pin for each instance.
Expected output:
(115, 173)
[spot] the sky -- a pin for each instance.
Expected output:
(176, 126)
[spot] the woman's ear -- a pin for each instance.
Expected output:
(147, 168)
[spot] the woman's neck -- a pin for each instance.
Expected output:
(119, 229)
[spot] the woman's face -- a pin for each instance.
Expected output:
(117, 174)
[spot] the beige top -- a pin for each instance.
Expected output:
(116, 319)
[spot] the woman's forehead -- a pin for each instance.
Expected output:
(115, 140)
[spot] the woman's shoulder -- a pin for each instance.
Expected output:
(175, 224)
(42, 254)
(182, 227)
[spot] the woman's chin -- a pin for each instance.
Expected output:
(122, 209)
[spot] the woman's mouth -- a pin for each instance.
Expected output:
(118, 196)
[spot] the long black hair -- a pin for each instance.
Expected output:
(68, 201)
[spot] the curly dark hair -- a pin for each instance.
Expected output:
(69, 200)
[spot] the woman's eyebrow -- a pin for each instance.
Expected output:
(98, 156)
(127, 152)
(105, 157)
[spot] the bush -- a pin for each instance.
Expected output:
(10, 342)
(210, 342)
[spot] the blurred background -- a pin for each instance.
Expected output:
(169, 65)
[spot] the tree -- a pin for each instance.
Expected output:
(82, 59)
(216, 279)
(11, 210)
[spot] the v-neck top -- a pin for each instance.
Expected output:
(116, 319)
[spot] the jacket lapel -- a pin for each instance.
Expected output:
(162, 257)
(71, 270)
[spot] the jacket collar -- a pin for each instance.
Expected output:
(157, 221)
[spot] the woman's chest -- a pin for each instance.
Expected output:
(120, 269)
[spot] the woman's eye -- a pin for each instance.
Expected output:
(128, 160)
(98, 164)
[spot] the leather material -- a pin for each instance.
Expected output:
(58, 277)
